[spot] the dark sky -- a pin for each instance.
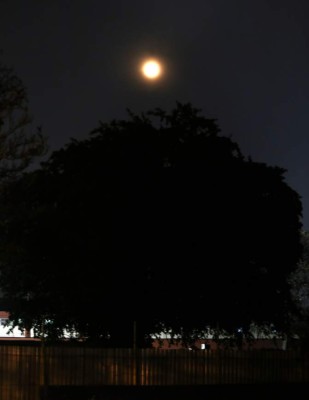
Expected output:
(244, 62)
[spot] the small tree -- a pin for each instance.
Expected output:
(299, 281)
(19, 145)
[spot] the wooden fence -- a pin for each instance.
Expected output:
(25, 370)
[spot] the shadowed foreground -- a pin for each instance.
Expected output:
(209, 392)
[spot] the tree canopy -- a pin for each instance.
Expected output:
(158, 221)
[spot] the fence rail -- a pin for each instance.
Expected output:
(24, 370)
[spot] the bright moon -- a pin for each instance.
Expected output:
(151, 69)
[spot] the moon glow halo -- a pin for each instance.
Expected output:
(151, 69)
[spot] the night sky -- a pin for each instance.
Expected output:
(244, 62)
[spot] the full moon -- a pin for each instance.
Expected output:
(151, 69)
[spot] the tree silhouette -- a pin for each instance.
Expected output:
(154, 221)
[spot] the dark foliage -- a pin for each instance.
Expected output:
(19, 145)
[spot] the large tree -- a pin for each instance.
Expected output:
(154, 221)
